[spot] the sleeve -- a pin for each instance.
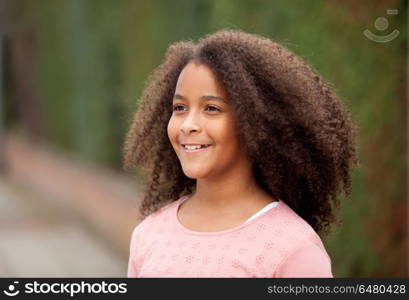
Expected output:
(132, 262)
(307, 261)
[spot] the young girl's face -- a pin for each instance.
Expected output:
(202, 127)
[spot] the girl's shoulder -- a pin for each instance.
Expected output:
(283, 225)
(295, 229)
(167, 209)
(295, 223)
(287, 218)
(303, 253)
(162, 215)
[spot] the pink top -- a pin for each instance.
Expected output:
(277, 243)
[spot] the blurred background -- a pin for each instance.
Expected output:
(70, 76)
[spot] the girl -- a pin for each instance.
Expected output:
(247, 149)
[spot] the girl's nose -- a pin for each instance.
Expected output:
(190, 124)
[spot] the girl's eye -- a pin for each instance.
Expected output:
(209, 108)
(178, 107)
(212, 108)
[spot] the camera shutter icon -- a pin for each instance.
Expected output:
(12, 290)
(381, 24)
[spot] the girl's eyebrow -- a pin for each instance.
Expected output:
(204, 97)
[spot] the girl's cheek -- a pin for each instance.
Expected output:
(172, 131)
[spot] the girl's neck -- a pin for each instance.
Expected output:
(230, 190)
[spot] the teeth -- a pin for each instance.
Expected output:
(193, 147)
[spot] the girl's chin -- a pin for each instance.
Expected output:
(195, 174)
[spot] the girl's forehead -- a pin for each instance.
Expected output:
(199, 79)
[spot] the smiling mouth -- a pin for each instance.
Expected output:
(195, 148)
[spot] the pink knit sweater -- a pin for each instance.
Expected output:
(277, 243)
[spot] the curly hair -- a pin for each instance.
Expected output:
(294, 129)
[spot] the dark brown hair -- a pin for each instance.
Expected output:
(293, 128)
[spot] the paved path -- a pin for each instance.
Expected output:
(42, 238)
